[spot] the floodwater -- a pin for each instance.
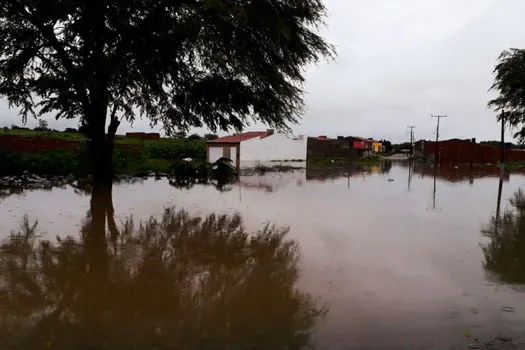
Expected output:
(389, 257)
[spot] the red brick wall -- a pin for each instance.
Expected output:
(34, 145)
(458, 151)
(143, 135)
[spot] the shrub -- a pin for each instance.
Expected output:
(177, 149)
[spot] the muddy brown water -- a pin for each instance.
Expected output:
(385, 257)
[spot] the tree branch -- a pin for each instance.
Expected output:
(51, 64)
(114, 122)
(53, 41)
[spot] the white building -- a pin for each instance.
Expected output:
(255, 147)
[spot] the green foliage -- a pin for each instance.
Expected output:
(209, 137)
(46, 163)
(19, 131)
(498, 144)
(194, 137)
(509, 84)
(388, 146)
(43, 124)
(177, 149)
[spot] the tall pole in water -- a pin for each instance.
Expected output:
(502, 145)
(436, 156)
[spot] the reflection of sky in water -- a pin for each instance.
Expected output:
(389, 266)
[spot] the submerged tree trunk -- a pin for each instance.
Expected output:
(102, 162)
(102, 146)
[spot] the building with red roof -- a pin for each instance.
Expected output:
(257, 146)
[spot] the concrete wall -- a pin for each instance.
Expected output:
(273, 147)
(219, 150)
(332, 148)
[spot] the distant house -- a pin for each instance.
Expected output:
(324, 147)
(257, 146)
(377, 146)
(343, 147)
(367, 144)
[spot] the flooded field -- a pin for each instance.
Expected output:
(388, 257)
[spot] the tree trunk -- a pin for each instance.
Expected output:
(102, 146)
(102, 162)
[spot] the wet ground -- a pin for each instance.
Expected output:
(388, 257)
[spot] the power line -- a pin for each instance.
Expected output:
(437, 136)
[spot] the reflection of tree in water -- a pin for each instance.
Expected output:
(386, 166)
(505, 253)
(174, 282)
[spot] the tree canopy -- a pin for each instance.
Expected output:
(182, 64)
(509, 83)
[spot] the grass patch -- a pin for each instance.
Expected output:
(49, 134)
(515, 166)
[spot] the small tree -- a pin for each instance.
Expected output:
(509, 83)
(194, 137)
(43, 124)
(180, 134)
(210, 136)
(387, 145)
(182, 64)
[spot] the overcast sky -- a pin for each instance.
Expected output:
(399, 61)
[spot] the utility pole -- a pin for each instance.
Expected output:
(436, 156)
(502, 145)
(412, 148)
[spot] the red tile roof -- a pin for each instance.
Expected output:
(238, 138)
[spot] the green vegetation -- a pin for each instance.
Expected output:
(50, 134)
(515, 166)
(147, 156)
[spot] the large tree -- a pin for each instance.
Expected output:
(180, 63)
